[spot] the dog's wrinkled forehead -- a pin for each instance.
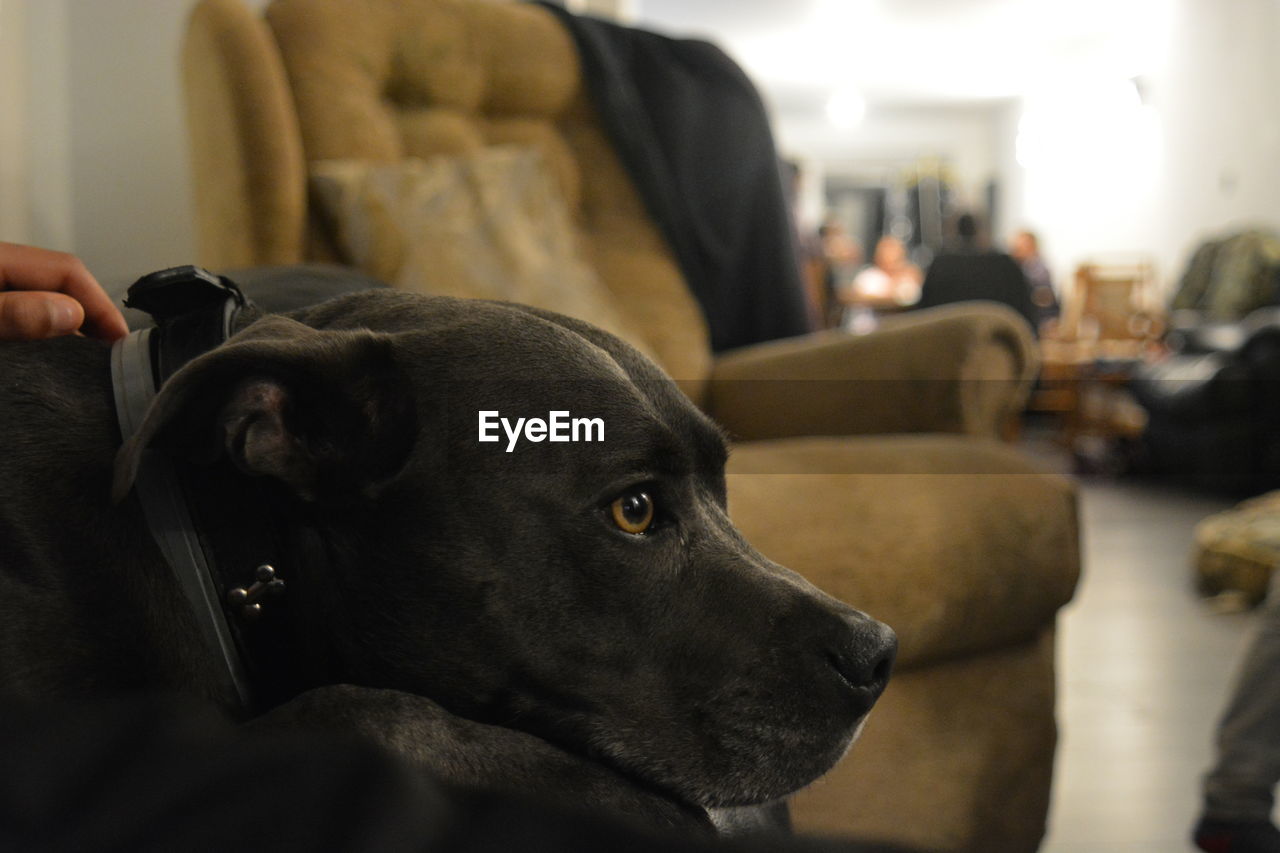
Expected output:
(515, 363)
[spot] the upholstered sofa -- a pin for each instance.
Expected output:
(1213, 417)
(869, 464)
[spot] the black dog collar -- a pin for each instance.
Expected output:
(194, 311)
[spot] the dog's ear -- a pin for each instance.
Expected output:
(327, 413)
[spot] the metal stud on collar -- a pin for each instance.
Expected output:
(248, 600)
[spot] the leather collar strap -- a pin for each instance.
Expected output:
(194, 312)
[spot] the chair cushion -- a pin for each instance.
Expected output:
(488, 224)
(960, 545)
(383, 80)
(1238, 550)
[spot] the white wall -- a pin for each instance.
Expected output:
(130, 184)
(46, 192)
(1205, 156)
(13, 116)
(1218, 104)
(106, 169)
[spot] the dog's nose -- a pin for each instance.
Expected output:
(864, 655)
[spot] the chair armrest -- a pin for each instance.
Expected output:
(962, 368)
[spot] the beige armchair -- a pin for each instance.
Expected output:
(868, 464)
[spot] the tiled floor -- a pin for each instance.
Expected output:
(1144, 666)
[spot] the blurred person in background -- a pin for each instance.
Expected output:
(842, 255)
(1025, 249)
(891, 279)
(970, 270)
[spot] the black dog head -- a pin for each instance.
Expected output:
(593, 593)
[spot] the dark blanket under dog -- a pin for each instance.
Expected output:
(160, 773)
(693, 133)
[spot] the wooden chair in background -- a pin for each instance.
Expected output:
(1110, 318)
(1112, 308)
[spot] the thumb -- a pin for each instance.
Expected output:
(30, 315)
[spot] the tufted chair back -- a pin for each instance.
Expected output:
(383, 80)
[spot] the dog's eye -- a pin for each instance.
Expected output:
(633, 512)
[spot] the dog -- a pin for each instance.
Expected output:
(577, 619)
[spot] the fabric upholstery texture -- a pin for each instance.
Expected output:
(382, 80)
(1231, 275)
(962, 369)
(929, 540)
(871, 465)
(487, 224)
(252, 210)
(975, 737)
(1239, 549)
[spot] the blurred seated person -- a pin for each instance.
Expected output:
(841, 251)
(842, 255)
(890, 281)
(971, 270)
(1025, 249)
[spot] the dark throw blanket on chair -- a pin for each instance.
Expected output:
(692, 132)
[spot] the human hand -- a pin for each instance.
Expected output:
(44, 294)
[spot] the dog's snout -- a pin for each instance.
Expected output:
(864, 655)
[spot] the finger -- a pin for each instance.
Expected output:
(30, 268)
(27, 316)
